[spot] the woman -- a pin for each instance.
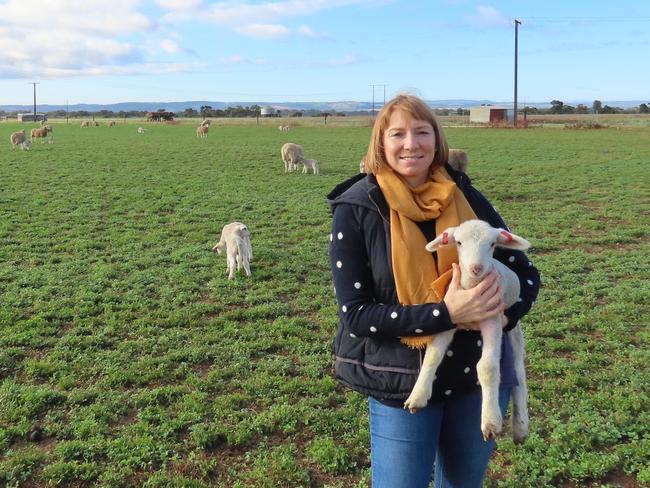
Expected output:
(388, 287)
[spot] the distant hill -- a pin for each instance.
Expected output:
(342, 106)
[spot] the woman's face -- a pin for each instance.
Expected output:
(409, 147)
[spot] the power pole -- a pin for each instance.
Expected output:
(34, 83)
(373, 96)
(514, 116)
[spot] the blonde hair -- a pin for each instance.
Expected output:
(376, 157)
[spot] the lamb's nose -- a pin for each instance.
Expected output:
(476, 269)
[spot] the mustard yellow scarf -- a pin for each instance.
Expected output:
(418, 278)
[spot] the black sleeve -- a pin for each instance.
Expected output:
(360, 311)
(517, 261)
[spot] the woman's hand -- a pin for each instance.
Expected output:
(468, 307)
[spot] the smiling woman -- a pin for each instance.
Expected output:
(392, 292)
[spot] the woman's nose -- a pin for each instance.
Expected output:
(410, 140)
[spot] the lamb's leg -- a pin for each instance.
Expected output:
(489, 377)
(520, 421)
(232, 263)
(433, 356)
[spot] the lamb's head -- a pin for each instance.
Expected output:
(475, 242)
(219, 247)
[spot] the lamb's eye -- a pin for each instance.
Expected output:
(459, 243)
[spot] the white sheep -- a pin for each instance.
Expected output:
(458, 160)
(141, 130)
(206, 122)
(475, 242)
(17, 138)
(310, 164)
(235, 240)
(283, 128)
(111, 123)
(202, 131)
(85, 123)
(292, 155)
(24, 146)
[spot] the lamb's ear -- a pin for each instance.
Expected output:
(444, 239)
(511, 241)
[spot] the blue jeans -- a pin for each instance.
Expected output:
(404, 446)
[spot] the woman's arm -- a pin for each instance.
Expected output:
(360, 310)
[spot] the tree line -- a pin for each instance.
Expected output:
(597, 107)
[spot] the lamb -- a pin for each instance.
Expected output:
(24, 146)
(283, 128)
(85, 123)
(42, 132)
(202, 131)
(206, 122)
(141, 130)
(111, 123)
(235, 240)
(17, 138)
(310, 164)
(478, 240)
(458, 160)
(292, 155)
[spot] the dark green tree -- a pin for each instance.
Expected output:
(597, 106)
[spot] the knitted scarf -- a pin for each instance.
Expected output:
(418, 278)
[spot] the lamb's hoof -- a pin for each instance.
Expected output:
(489, 432)
(519, 433)
(413, 404)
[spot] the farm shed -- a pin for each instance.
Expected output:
(269, 112)
(488, 114)
(160, 116)
(30, 117)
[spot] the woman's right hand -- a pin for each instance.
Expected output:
(475, 304)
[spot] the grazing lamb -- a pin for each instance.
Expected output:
(292, 155)
(85, 123)
(458, 160)
(475, 259)
(24, 146)
(202, 131)
(42, 132)
(141, 130)
(17, 138)
(310, 164)
(111, 123)
(235, 240)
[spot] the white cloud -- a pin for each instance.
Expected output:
(264, 31)
(488, 16)
(237, 59)
(179, 5)
(171, 47)
(307, 31)
(346, 60)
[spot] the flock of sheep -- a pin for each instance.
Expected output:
(235, 242)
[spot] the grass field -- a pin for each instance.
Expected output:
(127, 358)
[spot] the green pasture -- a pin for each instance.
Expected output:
(127, 359)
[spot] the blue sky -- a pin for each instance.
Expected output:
(109, 51)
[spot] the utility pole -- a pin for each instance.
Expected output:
(514, 116)
(34, 83)
(373, 96)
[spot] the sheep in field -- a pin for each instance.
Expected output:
(141, 130)
(85, 123)
(475, 259)
(458, 160)
(17, 138)
(235, 241)
(111, 123)
(310, 164)
(42, 132)
(206, 122)
(24, 146)
(202, 131)
(292, 155)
